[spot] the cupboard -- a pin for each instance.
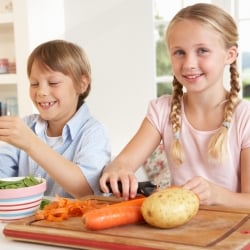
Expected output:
(14, 48)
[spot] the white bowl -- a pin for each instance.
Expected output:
(20, 202)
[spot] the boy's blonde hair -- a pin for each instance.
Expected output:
(219, 20)
(65, 57)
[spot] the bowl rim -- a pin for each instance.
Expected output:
(23, 191)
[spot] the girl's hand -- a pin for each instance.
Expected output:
(207, 192)
(15, 132)
(124, 166)
(127, 178)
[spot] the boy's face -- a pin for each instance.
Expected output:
(53, 94)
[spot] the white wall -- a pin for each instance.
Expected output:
(45, 21)
(36, 21)
(118, 38)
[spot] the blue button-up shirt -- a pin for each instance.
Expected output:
(84, 141)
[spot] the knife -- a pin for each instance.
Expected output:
(144, 187)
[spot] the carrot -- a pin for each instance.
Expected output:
(132, 202)
(112, 216)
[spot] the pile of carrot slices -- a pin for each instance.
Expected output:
(63, 208)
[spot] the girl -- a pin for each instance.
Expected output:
(63, 144)
(205, 129)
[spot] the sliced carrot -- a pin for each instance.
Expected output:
(57, 217)
(63, 208)
(112, 216)
(40, 215)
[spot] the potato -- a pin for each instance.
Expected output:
(171, 207)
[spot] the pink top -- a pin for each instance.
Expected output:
(195, 143)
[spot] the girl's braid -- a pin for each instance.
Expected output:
(175, 120)
(217, 144)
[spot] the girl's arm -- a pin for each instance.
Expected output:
(124, 166)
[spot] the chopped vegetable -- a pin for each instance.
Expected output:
(44, 202)
(25, 182)
(62, 208)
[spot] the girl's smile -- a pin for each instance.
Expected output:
(192, 78)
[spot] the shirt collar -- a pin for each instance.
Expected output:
(77, 121)
(71, 128)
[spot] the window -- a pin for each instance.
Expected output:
(244, 22)
(163, 13)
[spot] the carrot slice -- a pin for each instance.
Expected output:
(63, 208)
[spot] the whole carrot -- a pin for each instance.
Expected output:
(112, 216)
(132, 202)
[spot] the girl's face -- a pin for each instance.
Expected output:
(53, 94)
(198, 55)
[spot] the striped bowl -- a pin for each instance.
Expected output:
(20, 202)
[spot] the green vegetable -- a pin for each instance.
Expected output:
(25, 182)
(44, 202)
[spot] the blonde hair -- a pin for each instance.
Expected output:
(224, 25)
(65, 57)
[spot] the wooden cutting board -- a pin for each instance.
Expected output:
(212, 228)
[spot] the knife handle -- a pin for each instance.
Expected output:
(119, 186)
(145, 187)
